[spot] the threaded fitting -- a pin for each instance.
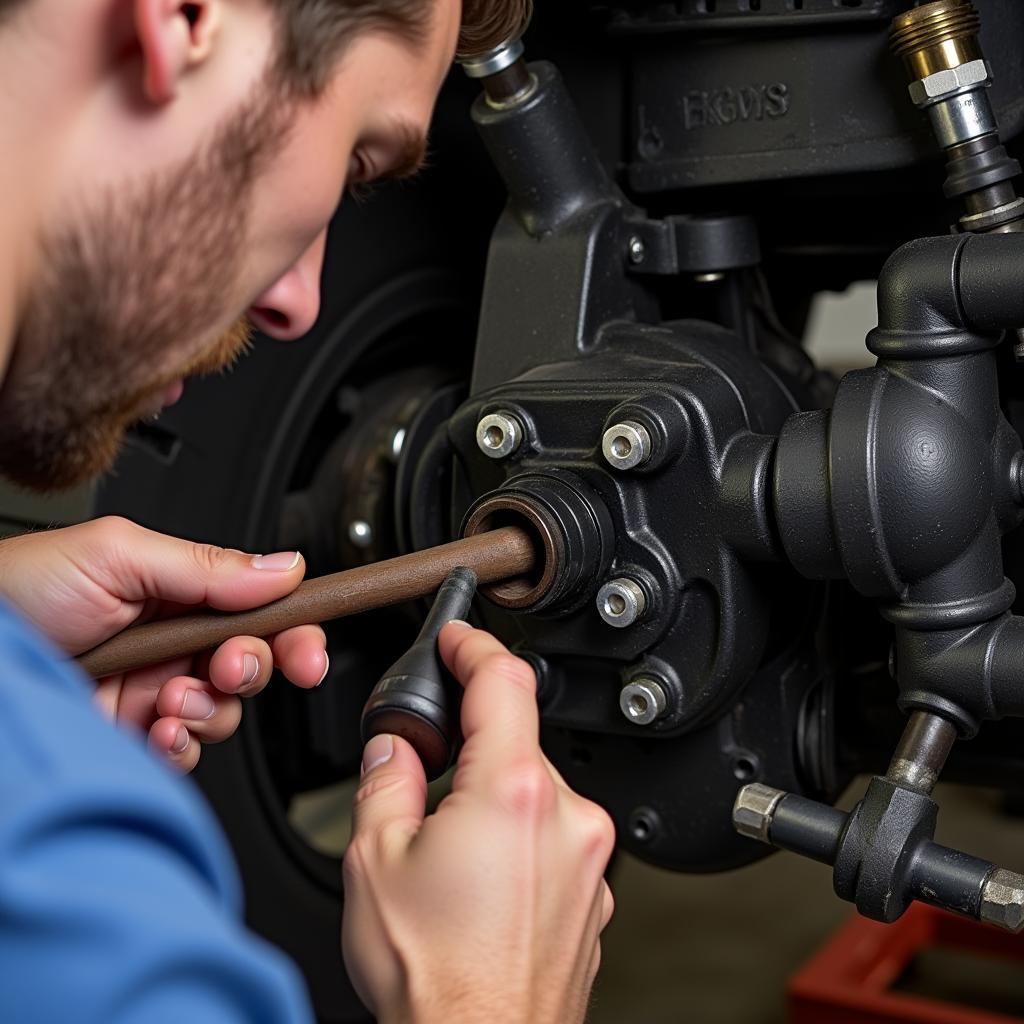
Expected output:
(936, 37)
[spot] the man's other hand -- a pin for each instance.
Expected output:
(490, 909)
(83, 584)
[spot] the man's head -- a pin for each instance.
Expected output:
(180, 164)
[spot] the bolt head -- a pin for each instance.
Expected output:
(1002, 900)
(637, 250)
(753, 810)
(621, 602)
(499, 435)
(360, 533)
(643, 701)
(626, 445)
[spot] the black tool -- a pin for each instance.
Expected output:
(416, 698)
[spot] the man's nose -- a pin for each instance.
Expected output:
(289, 307)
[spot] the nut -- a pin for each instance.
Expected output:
(499, 435)
(971, 75)
(493, 61)
(643, 701)
(1002, 900)
(621, 602)
(626, 445)
(637, 250)
(753, 811)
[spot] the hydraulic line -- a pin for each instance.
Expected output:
(949, 80)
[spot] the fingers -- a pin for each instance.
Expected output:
(391, 800)
(500, 722)
(170, 738)
(207, 714)
(136, 564)
(242, 666)
(131, 697)
(301, 654)
(191, 712)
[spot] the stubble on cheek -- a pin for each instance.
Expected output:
(223, 354)
(130, 287)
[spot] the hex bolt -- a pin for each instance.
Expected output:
(1002, 900)
(620, 602)
(643, 701)
(626, 445)
(637, 250)
(753, 810)
(499, 435)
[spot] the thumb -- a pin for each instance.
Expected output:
(141, 564)
(392, 795)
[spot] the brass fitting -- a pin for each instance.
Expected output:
(949, 75)
(936, 37)
(949, 80)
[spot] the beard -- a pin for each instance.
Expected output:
(123, 308)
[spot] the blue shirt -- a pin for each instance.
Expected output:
(119, 902)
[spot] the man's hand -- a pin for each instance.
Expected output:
(491, 909)
(82, 585)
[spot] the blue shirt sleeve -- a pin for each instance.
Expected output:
(119, 903)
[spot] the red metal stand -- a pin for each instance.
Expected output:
(848, 980)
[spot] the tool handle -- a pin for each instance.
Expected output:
(495, 556)
(413, 698)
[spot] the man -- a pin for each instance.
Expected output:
(168, 167)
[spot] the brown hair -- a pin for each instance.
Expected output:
(313, 33)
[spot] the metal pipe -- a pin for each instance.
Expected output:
(922, 752)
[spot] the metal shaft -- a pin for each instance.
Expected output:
(499, 555)
(922, 751)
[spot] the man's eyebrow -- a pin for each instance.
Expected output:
(408, 143)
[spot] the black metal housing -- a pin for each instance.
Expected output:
(906, 485)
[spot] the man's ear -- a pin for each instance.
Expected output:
(174, 36)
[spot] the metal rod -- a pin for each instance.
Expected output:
(495, 556)
(922, 751)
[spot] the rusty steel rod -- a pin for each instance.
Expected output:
(495, 556)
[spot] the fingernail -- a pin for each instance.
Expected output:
(283, 561)
(250, 669)
(327, 668)
(180, 740)
(377, 752)
(460, 624)
(197, 707)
